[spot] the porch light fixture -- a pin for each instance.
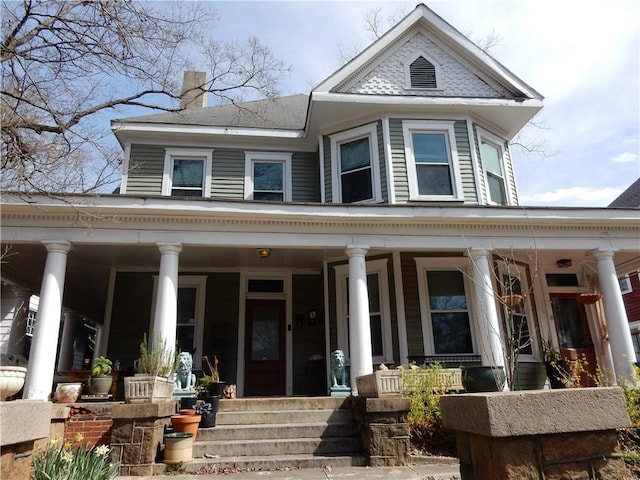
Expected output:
(264, 252)
(563, 263)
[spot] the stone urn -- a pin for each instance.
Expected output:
(11, 380)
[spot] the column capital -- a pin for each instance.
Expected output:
(356, 250)
(599, 254)
(61, 246)
(169, 247)
(479, 252)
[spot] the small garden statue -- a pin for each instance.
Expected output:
(339, 387)
(185, 379)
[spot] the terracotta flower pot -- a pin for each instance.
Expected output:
(186, 424)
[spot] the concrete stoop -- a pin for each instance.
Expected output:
(278, 433)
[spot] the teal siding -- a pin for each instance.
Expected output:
(227, 174)
(328, 186)
(146, 164)
(130, 316)
(384, 189)
(511, 175)
(305, 177)
(221, 323)
(400, 179)
(415, 345)
(309, 377)
(465, 162)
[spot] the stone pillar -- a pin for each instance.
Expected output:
(65, 357)
(491, 345)
(617, 323)
(18, 309)
(359, 321)
(136, 435)
(166, 316)
(42, 358)
(385, 429)
(538, 434)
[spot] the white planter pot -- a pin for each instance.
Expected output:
(11, 380)
(68, 392)
(381, 383)
(148, 389)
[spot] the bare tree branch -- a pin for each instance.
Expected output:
(67, 63)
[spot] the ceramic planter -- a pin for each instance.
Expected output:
(11, 380)
(186, 424)
(178, 448)
(100, 385)
(68, 392)
(483, 378)
(148, 389)
(208, 414)
(381, 383)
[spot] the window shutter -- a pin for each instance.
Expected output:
(422, 73)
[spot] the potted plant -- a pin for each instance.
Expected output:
(558, 368)
(101, 379)
(211, 384)
(153, 381)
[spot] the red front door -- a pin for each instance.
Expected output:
(264, 358)
(574, 334)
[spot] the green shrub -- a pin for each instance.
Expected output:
(424, 387)
(68, 461)
(630, 437)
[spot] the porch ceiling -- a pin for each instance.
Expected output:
(89, 266)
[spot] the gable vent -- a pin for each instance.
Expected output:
(422, 73)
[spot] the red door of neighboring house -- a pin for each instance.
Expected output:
(264, 358)
(574, 334)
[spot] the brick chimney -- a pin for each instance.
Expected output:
(193, 95)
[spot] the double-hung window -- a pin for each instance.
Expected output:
(444, 306)
(433, 170)
(354, 158)
(187, 173)
(379, 310)
(267, 176)
(493, 164)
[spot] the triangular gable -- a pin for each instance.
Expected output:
(424, 29)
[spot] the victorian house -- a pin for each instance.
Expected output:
(377, 214)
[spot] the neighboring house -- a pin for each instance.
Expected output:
(630, 283)
(377, 215)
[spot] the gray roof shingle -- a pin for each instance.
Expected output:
(287, 113)
(630, 197)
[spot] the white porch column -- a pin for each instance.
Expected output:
(359, 321)
(65, 357)
(42, 358)
(617, 323)
(15, 310)
(166, 316)
(491, 348)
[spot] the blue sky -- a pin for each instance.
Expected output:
(582, 56)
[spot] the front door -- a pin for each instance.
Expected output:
(574, 335)
(265, 341)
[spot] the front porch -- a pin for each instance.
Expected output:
(382, 284)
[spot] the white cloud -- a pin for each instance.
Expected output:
(574, 197)
(626, 157)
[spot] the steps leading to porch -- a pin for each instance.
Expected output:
(279, 433)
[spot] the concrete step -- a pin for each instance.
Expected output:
(275, 462)
(253, 417)
(278, 430)
(283, 446)
(283, 403)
